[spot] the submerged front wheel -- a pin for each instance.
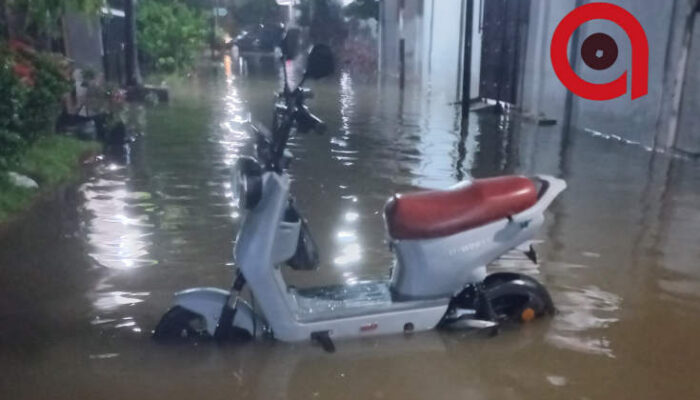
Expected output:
(180, 324)
(516, 297)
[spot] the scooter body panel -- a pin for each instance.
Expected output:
(441, 267)
(433, 270)
(260, 248)
(208, 303)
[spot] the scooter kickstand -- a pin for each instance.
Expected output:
(531, 254)
(324, 339)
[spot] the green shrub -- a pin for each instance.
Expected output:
(44, 99)
(14, 94)
(53, 159)
(31, 85)
(170, 34)
(49, 161)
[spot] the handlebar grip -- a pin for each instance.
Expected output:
(307, 121)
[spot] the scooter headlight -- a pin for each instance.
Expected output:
(247, 183)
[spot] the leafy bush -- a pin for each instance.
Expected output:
(32, 85)
(170, 34)
(14, 94)
(44, 99)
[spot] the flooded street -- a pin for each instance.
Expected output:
(86, 276)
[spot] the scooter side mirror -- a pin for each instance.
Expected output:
(320, 63)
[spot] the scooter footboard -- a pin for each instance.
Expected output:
(208, 302)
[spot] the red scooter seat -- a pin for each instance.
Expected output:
(438, 213)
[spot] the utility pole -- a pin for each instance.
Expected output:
(133, 73)
(467, 58)
(4, 21)
(402, 46)
(215, 27)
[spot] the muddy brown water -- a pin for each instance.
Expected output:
(85, 277)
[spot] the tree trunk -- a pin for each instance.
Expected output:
(133, 73)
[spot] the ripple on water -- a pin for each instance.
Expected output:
(583, 315)
(119, 229)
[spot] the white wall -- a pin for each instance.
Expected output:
(688, 127)
(542, 93)
(433, 30)
(444, 55)
(634, 120)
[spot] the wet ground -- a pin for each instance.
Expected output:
(85, 277)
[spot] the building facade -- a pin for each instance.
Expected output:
(499, 50)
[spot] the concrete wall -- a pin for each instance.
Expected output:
(634, 120)
(688, 130)
(444, 29)
(542, 94)
(433, 33)
(665, 117)
(653, 120)
(397, 24)
(677, 68)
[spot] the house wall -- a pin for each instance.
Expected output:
(634, 120)
(651, 121)
(665, 117)
(688, 129)
(433, 32)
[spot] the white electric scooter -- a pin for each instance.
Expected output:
(443, 241)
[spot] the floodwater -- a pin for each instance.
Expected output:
(85, 277)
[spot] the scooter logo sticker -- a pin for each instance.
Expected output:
(599, 51)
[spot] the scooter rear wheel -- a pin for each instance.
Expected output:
(517, 298)
(180, 324)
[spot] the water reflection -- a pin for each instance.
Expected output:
(583, 315)
(118, 230)
(340, 143)
(137, 218)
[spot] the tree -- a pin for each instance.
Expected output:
(170, 34)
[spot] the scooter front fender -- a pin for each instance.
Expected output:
(208, 302)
